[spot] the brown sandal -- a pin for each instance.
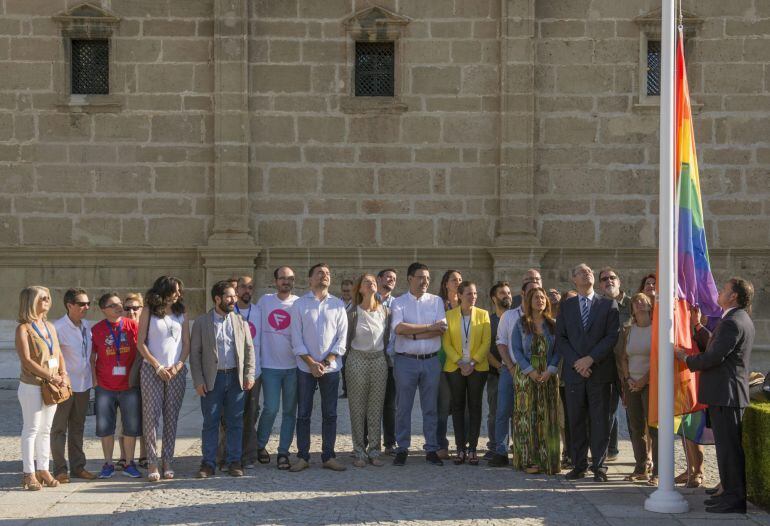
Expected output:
(30, 483)
(695, 481)
(48, 482)
(682, 478)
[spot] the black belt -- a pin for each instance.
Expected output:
(419, 356)
(227, 370)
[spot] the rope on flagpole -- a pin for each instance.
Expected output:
(681, 18)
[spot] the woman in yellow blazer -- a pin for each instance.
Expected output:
(466, 343)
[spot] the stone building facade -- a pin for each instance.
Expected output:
(231, 140)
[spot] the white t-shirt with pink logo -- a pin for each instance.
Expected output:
(273, 342)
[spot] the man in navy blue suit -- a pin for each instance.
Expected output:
(586, 331)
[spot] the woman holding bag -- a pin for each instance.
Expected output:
(41, 363)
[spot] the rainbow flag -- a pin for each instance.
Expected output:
(695, 283)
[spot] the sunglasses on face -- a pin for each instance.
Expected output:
(45, 298)
(610, 278)
(133, 308)
(114, 306)
(82, 303)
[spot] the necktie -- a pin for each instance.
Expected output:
(585, 310)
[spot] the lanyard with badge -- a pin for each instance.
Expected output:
(117, 370)
(466, 329)
(53, 362)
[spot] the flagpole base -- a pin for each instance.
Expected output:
(666, 501)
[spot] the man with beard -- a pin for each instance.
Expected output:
(501, 297)
(279, 366)
(609, 287)
(318, 336)
(247, 310)
(221, 373)
(386, 284)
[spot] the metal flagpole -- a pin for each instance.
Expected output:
(666, 499)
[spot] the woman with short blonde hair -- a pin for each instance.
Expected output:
(41, 362)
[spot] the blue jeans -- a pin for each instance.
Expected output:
(444, 408)
(505, 398)
(411, 374)
(106, 405)
(279, 387)
(226, 396)
(329, 385)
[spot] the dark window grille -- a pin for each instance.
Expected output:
(90, 67)
(374, 69)
(653, 68)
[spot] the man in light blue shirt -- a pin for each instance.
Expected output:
(318, 337)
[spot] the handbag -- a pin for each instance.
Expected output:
(55, 394)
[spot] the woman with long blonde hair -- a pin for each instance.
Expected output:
(41, 361)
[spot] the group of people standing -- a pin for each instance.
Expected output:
(554, 367)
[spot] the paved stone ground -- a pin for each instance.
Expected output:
(415, 494)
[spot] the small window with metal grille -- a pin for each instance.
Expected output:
(90, 67)
(653, 68)
(374, 69)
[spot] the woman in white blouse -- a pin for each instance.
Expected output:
(366, 369)
(164, 342)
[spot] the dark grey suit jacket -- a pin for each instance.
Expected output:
(598, 340)
(724, 365)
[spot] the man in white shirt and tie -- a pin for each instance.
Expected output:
(318, 336)
(75, 341)
(418, 320)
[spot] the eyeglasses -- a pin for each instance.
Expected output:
(609, 278)
(45, 298)
(82, 303)
(133, 308)
(114, 306)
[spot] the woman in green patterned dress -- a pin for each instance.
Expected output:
(536, 446)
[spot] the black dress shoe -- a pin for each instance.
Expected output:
(432, 458)
(400, 459)
(575, 474)
(600, 476)
(712, 501)
(498, 461)
(712, 491)
(724, 507)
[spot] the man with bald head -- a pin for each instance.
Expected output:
(530, 276)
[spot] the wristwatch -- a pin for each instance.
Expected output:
(414, 337)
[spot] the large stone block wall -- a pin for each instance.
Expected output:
(141, 175)
(597, 147)
(324, 176)
(130, 193)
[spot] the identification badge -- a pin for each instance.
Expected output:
(53, 363)
(119, 370)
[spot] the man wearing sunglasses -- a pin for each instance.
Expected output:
(70, 419)
(609, 287)
(114, 352)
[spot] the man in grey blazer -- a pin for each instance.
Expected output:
(222, 369)
(724, 386)
(586, 331)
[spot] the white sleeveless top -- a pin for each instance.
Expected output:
(164, 338)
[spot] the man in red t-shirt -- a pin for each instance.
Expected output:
(114, 352)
